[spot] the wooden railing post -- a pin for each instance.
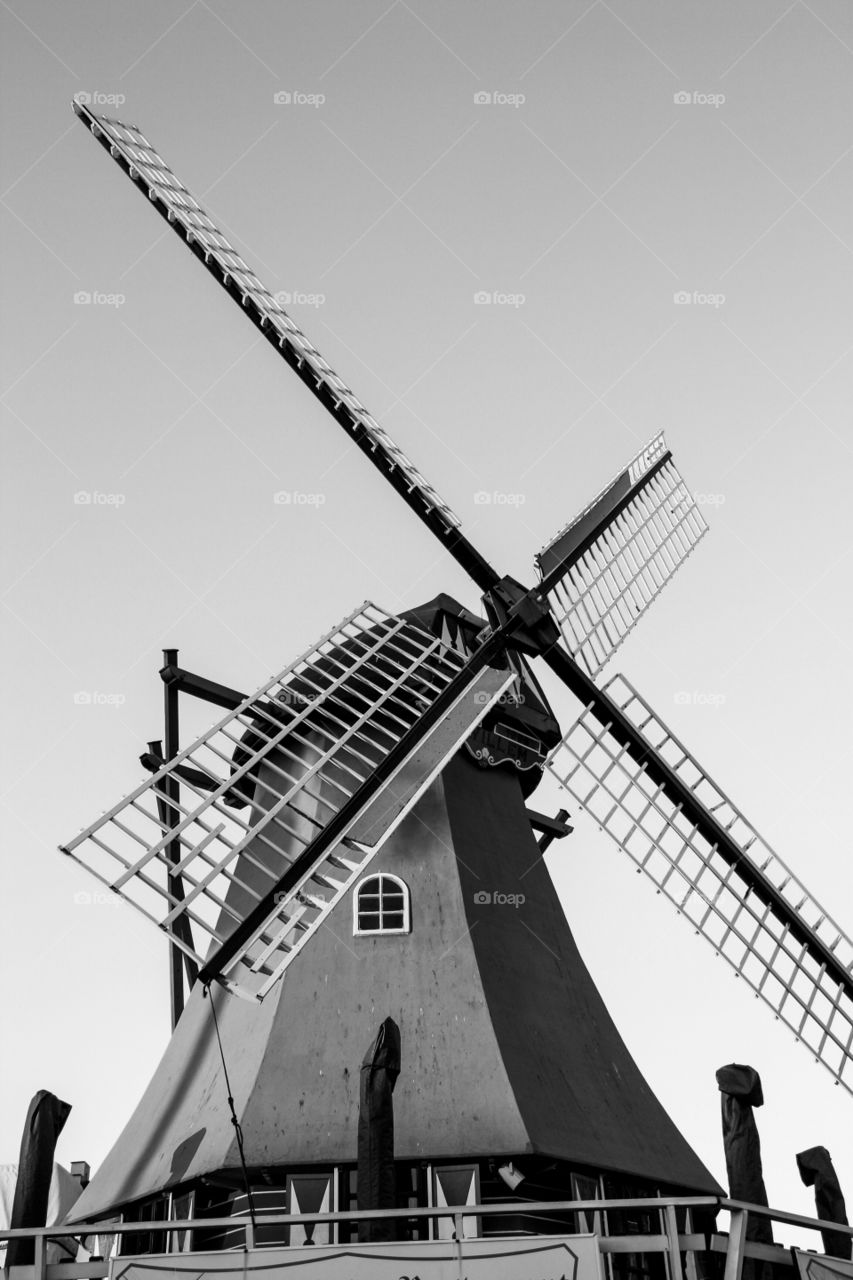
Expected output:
(737, 1239)
(675, 1270)
(39, 1257)
(459, 1236)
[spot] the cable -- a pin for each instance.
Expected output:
(236, 1123)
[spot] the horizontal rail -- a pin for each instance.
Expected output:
(649, 1204)
(789, 1219)
(668, 1240)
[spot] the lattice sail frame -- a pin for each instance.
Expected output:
(607, 589)
(634, 811)
(146, 166)
(294, 753)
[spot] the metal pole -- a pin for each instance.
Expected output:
(173, 851)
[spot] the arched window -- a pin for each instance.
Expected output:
(380, 904)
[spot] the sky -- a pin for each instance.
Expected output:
(654, 199)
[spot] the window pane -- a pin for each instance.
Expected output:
(381, 905)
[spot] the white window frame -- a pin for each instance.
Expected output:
(445, 1228)
(381, 876)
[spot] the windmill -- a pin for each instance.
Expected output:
(244, 846)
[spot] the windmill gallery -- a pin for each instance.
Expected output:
(330, 853)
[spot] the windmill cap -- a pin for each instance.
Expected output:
(426, 615)
(742, 1082)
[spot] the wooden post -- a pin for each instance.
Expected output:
(737, 1239)
(39, 1257)
(675, 1270)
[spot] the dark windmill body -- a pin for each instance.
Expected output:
(354, 842)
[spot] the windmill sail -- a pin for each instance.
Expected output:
(604, 569)
(285, 801)
(719, 873)
(129, 147)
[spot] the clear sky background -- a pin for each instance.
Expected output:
(386, 207)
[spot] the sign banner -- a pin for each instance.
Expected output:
(533, 1258)
(817, 1266)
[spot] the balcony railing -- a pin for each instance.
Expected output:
(679, 1249)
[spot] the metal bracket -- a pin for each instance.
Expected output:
(200, 687)
(555, 828)
(535, 630)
